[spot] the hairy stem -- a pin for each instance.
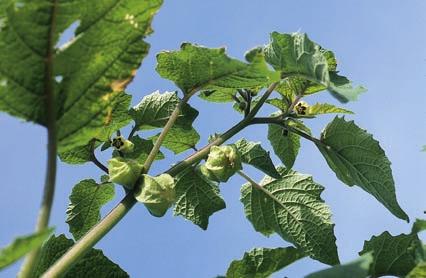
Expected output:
(116, 214)
(49, 186)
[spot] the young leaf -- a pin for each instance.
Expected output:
(142, 148)
(179, 139)
(295, 55)
(358, 268)
(253, 154)
(393, 255)
(79, 155)
(195, 68)
(155, 109)
(286, 144)
(358, 159)
(292, 208)
(92, 264)
(197, 197)
(86, 200)
(278, 103)
(262, 262)
(326, 108)
(21, 246)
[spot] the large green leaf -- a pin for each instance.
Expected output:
(80, 154)
(194, 68)
(253, 154)
(86, 200)
(155, 109)
(286, 144)
(92, 264)
(262, 262)
(179, 139)
(358, 268)
(296, 56)
(21, 246)
(358, 159)
(292, 208)
(393, 255)
(326, 108)
(89, 74)
(197, 197)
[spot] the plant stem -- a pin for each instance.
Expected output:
(171, 121)
(116, 214)
(49, 186)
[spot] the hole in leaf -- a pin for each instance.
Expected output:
(68, 35)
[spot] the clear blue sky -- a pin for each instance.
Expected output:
(380, 44)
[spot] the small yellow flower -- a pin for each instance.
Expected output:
(301, 107)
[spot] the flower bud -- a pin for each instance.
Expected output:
(156, 193)
(222, 163)
(301, 107)
(124, 171)
(123, 145)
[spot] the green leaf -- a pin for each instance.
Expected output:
(86, 200)
(419, 226)
(142, 148)
(295, 55)
(286, 144)
(278, 103)
(253, 154)
(81, 154)
(155, 110)
(358, 159)
(194, 68)
(197, 197)
(358, 268)
(262, 262)
(179, 140)
(92, 264)
(292, 208)
(393, 255)
(418, 272)
(326, 108)
(21, 246)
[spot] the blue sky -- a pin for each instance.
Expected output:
(379, 44)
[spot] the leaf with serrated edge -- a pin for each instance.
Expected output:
(253, 154)
(179, 140)
(155, 110)
(86, 200)
(197, 197)
(262, 262)
(195, 68)
(393, 255)
(293, 209)
(93, 264)
(21, 246)
(326, 108)
(358, 268)
(286, 145)
(357, 159)
(302, 60)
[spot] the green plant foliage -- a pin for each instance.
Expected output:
(156, 193)
(80, 154)
(419, 226)
(418, 272)
(296, 55)
(86, 200)
(326, 108)
(222, 163)
(358, 268)
(194, 68)
(155, 109)
(93, 264)
(141, 149)
(358, 159)
(179, 139)
(262, 262)
(286, 144)
(253, 154)
(393, 255)
(21, 246)
(197, 197)
(124, 171)
(292, 208)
